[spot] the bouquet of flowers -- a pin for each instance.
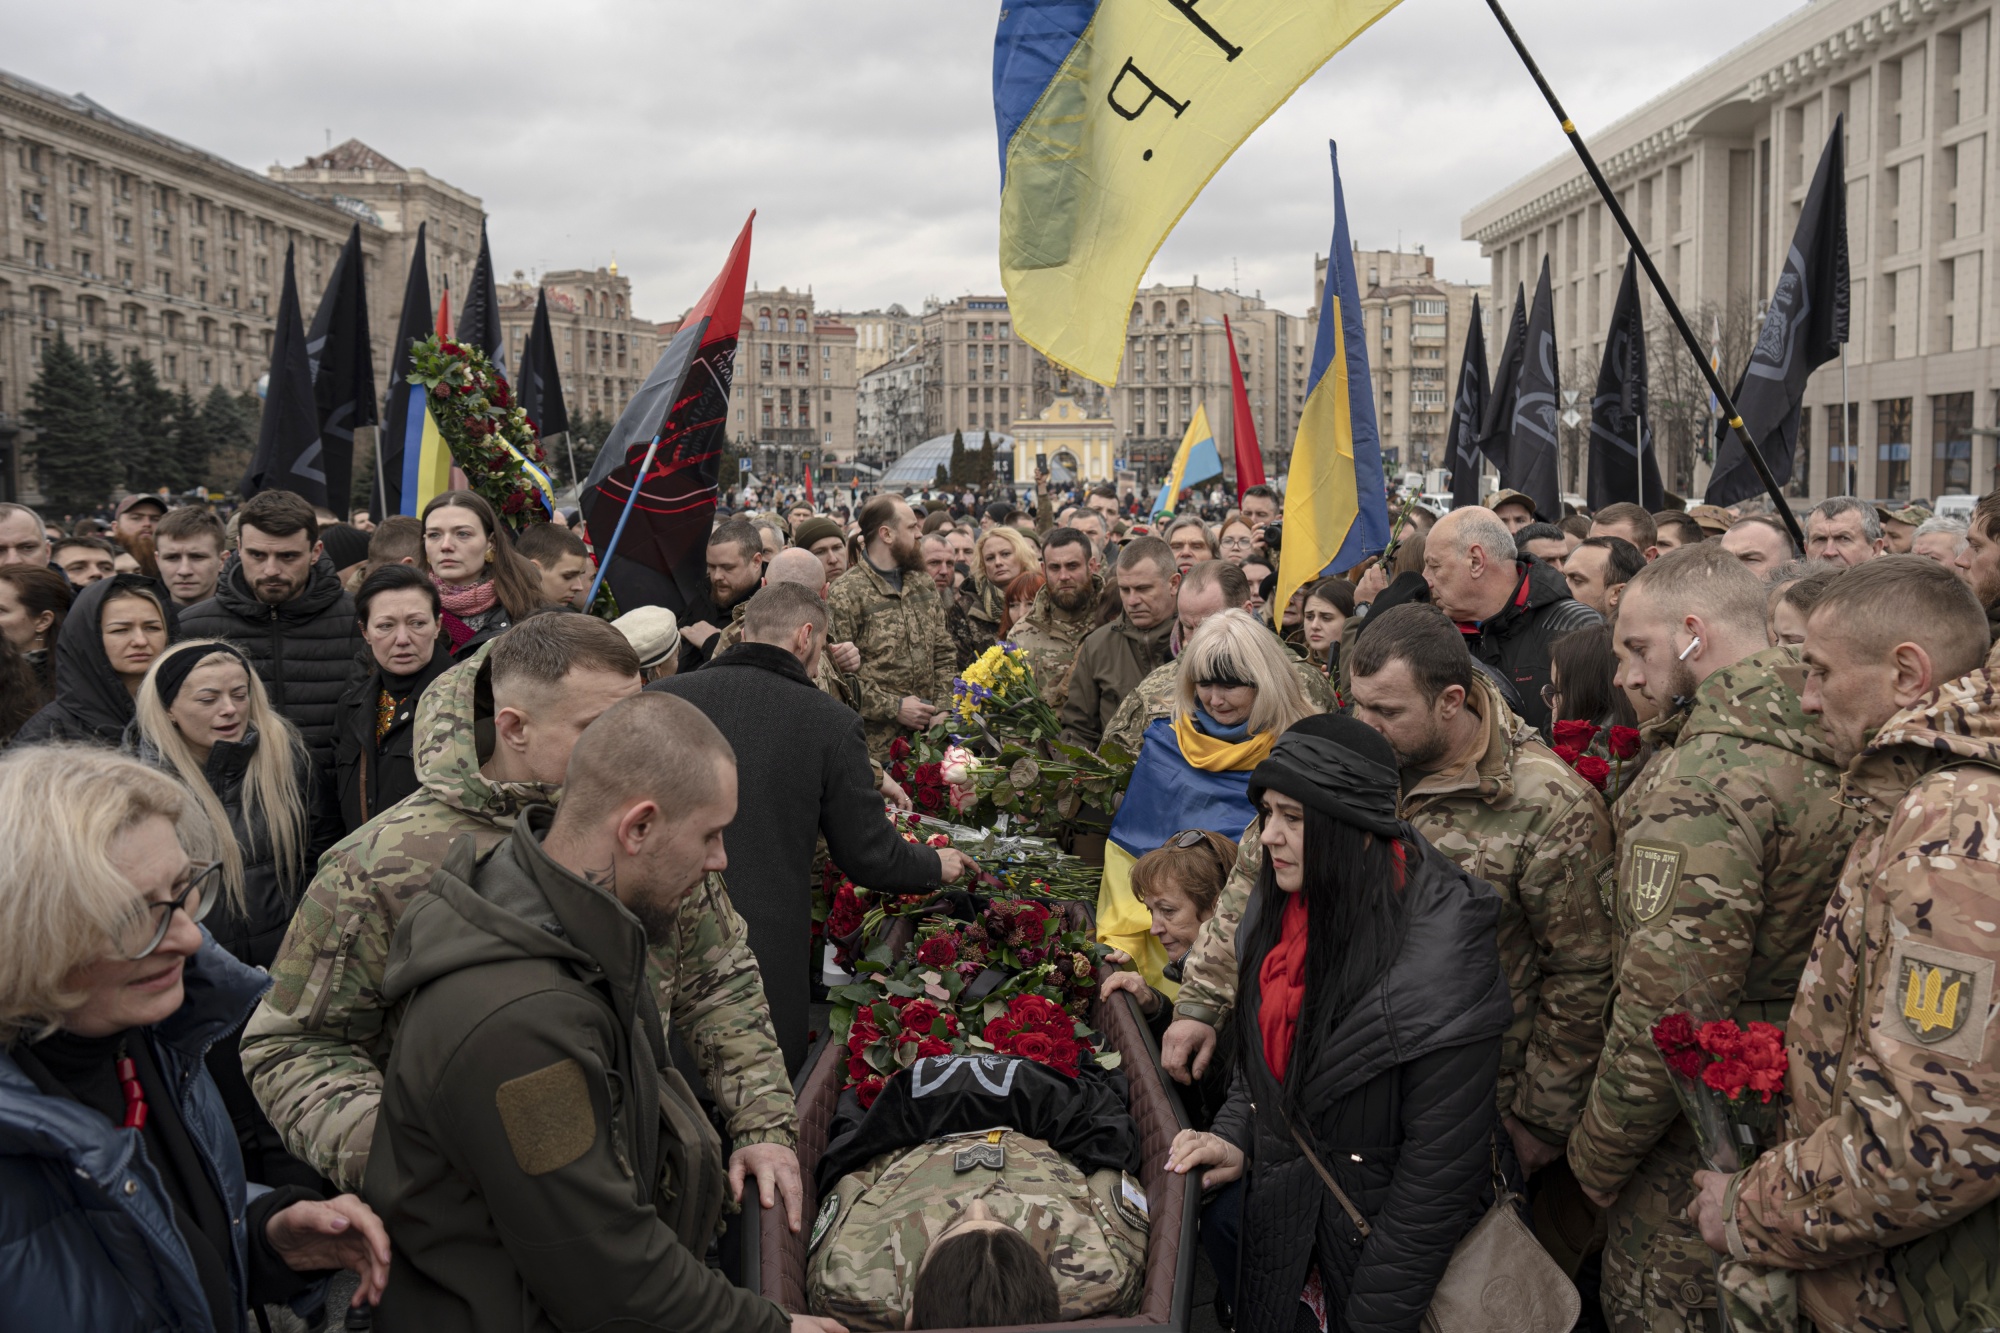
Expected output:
(1602, 756)
(998, 692)
(490, 436)
(1726, 1078)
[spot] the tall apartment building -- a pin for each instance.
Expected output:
(1176, 359)
(116, 237)
(604, 351)
(1713, 173)
(889, 407)
(793, 398)
(1417, 324)
(880, 336)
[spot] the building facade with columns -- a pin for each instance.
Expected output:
(1082, 446)
(792, 402)
(603, 350)
(118, 238)
(1713, 174)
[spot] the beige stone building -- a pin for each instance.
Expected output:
(1176, 359)
(605, 351)
(1073, 442)
(889, 407)
(1713, 173)
(793, 398)
(1417, 325)
(116, 237)
(880, 336)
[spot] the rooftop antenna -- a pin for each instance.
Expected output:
(329, 138)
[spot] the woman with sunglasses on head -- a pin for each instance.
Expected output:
(123, 1202)
(1371, 1006)
(203, 715)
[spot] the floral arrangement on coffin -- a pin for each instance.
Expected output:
(490, 436)
(1602, 756)
(1727, 1078)
(962, 987)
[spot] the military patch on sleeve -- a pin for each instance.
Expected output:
(1655, 869)
(1938, 999)
(828, 1211)
(548, 1116)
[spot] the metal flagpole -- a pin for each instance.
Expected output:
(1728, 404)
(1846, 443)
(631, 496)
(575, 481)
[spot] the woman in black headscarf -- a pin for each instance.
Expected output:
(1371, 1006)
(114, 630)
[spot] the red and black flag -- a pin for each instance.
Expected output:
(679, 418)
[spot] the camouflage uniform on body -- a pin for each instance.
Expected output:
(1894, 1083)
(1522, 820)
(314, 1048)
(1154, 698)
(830, 681)
(905, 649)
(1730, 846)
(969, 637)
(1050, 637)
(863, 1268)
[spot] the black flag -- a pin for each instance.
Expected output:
(1803, 329)
(1530, 467)
(538, 385)
(1623, 465)
(414, 326)
(479, 317)
(343, 369)
(289, 457)
(1498, 423)
(1468, 411)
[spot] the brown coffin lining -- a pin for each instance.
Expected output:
(780, 1264)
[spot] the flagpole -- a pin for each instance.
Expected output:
(1728, 404)
(576, 482)
(610, 547)
(1847, 445)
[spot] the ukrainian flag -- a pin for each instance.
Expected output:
(426, 457)
(1197, 460)
(1336, 507)
(1185, 779)
(544, 489)
(1112, 117)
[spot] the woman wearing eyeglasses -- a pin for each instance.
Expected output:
(123, 1202)
(203, 714)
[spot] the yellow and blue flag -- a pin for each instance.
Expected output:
(1185, 779)
(1112, 117)
(1197, 460)
(426, 457)
(1336, 504)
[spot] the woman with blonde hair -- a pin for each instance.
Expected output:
(484, 583)
(203, 714)
(122, 1189)
(1002, 554)
(1235, 692)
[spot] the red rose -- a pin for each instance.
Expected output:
(899, 749)
(917, 1015)
(1688, 1062)
(930, 799)
(1065, 1055)
(1593, 770)
(1569, 754)
(950, 1023)
(996, 1032)
(1040, 1014)
(868, 1090)
(938, 951)
(514, 503)
(1036, 1046)
(932, 1046)
(453, 349)
(1624, 742)
(1575, 732)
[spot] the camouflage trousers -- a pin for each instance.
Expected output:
(1659, 1274)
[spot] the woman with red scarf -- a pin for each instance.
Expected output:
(1372, 1006)
(483, 584)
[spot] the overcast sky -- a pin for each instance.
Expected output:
(861, 130)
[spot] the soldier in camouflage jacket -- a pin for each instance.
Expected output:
(1894, 1074)
(314, 1049)
(1050, 637)
(905, 648)
(1730, 844)
(1522, 820)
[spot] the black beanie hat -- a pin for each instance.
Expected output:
(1339, 767)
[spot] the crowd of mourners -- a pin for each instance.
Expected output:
(379, 923)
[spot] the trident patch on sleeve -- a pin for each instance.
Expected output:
(1938, 999)
(548, 1116)
(1655, 870)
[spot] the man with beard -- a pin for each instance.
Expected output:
(1978, 561)
(1064, 612)
(539, 1160)
(735, 569)
(1729, 845)
(888, 607)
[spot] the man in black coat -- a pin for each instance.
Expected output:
(802, 770)
(280, 602)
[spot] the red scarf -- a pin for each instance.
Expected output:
(1281, 987)
(470, 600)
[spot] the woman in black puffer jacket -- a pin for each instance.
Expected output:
(1370, 1010)
(203, 714)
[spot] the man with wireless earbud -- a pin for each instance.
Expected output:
(1729, 846)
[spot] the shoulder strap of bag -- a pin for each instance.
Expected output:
(1340, 1195)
